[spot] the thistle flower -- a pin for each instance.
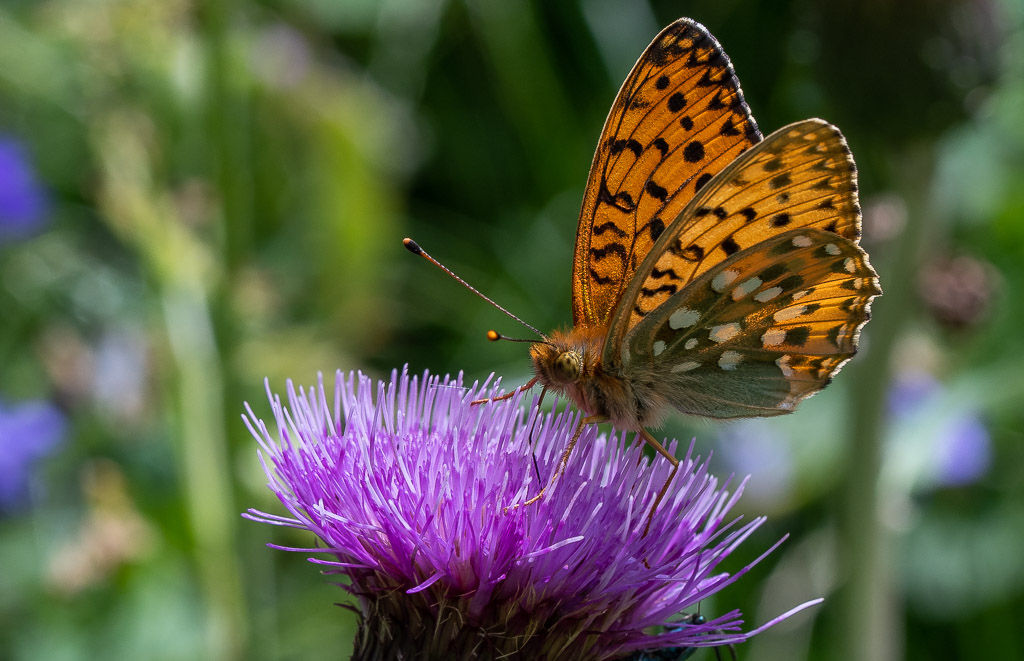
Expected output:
(412, 492)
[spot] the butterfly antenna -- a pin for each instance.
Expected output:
(415, 249)
(495, 336)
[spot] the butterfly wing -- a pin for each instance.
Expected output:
(764, 262)
(760, 331)
(799, 176)
(678, 119)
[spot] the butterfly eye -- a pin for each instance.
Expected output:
(568, 366)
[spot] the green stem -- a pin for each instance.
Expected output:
(869, 621)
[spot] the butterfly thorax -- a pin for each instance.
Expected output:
(569, 363)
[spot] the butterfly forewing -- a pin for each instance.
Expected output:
(759, 331)
(678, 119)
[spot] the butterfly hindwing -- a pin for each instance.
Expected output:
(759, 331)
(678, 119)
(800, 176)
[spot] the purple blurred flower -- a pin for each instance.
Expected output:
(28, 432)
(960, 449)
(910, 391)
(964, 451)
(23, 202)
(408, 490)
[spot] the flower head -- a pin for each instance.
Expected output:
(411, 492)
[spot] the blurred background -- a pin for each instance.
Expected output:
(195, 195)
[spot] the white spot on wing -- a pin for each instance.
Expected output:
(658, 347)
(724, 279)
(683, 318)
(832, 249)
(773, 337)
(800, 294)
(783, 364)
(801, 241)
(768, 294)
(786, 314)
(745, 288)
(850, 264)
(690, 343)
(730, 359)
(724, 332)
(685, 366)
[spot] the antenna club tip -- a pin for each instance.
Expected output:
(493, 335)
(412, 246)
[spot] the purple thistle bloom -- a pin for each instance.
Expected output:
(408, 491)
(23, 202)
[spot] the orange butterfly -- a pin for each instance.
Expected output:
(714, 272)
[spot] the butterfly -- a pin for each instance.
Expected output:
(715, 272)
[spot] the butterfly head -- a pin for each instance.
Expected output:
(566, 361)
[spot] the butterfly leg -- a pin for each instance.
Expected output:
(650, 440)
(526, 386)
(561, 462)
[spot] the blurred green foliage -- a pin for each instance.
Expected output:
(228, 185)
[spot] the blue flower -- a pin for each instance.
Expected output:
(28, 432)
(412, 490)
(23, 202)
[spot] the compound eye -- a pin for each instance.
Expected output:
(569, 365)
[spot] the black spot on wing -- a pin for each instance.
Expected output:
(730, 246)
(648, 292)
(792, 282)
(797, 336)
(772, 272)
(600, 279)
(622, 200)
(656, 191)
(632, 145)
(691, 253)
(694, 151)
(839, 266)
(834, 336)
(612, 248)
(656, 226)
(666, 273)
(608, 226)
